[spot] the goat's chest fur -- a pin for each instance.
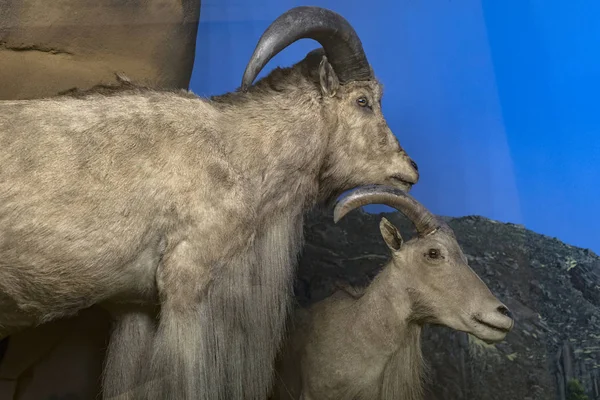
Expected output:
(344, 369)
(340, 349)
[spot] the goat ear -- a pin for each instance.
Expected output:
(390, 234)
(328, 79)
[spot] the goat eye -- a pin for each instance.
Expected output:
(362, 101)
(433, 253)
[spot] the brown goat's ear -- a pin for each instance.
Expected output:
(328, 79)
(390, 234)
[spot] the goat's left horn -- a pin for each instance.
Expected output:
(425, 222)
(339, 40)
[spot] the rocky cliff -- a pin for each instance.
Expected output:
(47, 47)
(553, 289)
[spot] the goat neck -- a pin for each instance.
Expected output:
(278, 142)
(383, 315)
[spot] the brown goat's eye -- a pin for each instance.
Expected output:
(362, 101)
(433, 253)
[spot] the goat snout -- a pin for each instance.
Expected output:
(505, 311)
(414, 165)
(494, 324)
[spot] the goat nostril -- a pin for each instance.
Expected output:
(505, 311)
(414, 165)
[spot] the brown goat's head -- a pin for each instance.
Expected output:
(432, 271)
(362, 148)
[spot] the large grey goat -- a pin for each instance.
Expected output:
(361, 344)
(183, 215)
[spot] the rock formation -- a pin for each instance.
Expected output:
(47, 47)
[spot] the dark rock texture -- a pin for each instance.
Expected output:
(552, 288)
(47, 47)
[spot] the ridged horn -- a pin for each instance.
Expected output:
(342, 45)
(425, 222)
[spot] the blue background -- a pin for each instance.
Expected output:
(495, 100)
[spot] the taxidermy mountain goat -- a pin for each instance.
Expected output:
(364, 344)
(183, 215)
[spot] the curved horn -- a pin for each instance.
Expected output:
(425, 222)
(339, 40)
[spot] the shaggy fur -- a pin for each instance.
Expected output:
(136, 197)
(126, 358)
(364, 344)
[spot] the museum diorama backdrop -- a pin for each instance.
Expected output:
(492, 99)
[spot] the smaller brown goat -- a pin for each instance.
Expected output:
(358, 345)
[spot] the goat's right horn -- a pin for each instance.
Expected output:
(425, 222)
(339, 40)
